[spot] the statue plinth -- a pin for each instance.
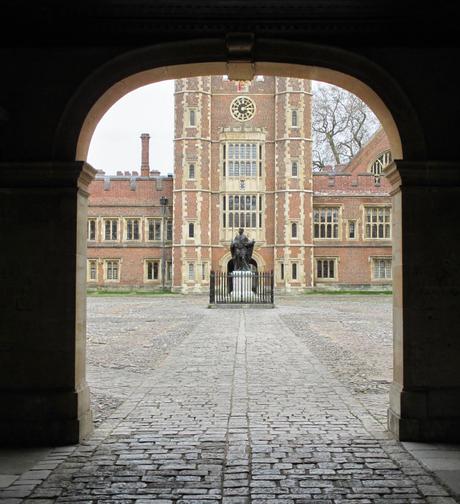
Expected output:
(242, 281)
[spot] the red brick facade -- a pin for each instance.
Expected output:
(124, 198)
(250, 160)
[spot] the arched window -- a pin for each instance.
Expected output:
(294, 230)
(294, 169)
(191, 230)
(380, 163)
(294, 119)
(191, 171)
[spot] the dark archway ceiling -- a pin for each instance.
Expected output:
(343, 22)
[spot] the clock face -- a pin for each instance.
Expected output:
(243, 108)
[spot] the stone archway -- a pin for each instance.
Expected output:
(330, 66)
(418, 400)
(256, 257)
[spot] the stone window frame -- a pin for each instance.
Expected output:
(297, 224)
(298, 122)
(191, 271)
(157, 261)
(88, 236)
(168, 271)
(293, 263)
(355, 221)
(231, 136)
(169, 225)
(108, 260)
(373, 259)
(335, 278)
(204, 271)
(338, 207)
(364, 222)
(89, 270)
(191, 166)
(117, 219)
(189, 228)
(125, 229)
(295, 162)
(147, 229)
(258, 212)
(188, 116)
(380, 162)
(226, 149)
(280, 270)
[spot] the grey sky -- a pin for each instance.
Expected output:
(116, 143)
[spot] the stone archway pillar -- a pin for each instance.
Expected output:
(425, 394)
(43, 212)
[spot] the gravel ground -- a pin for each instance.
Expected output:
(128, 336)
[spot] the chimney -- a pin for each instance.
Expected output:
(145, 167)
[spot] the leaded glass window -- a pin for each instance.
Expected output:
(326, 268)
(242, 210)
(326, 222)
(378, 223)
(241, 160)
(381, 268)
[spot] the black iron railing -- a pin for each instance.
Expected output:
(246, 288)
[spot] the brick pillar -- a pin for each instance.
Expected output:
(145, 163)
(44, 395)
(425, 394)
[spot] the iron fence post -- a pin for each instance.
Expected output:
(212, 287)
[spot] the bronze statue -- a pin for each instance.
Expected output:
(241, 249)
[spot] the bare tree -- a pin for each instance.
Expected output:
(341, 125)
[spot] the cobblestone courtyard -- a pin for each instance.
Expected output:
(236, 406)
(128, 337)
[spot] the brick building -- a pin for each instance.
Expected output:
(130, 228)
(243, 159)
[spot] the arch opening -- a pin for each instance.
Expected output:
(393, 111)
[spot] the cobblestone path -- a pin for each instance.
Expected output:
(240, 411)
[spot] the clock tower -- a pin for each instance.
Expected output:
(242, 159)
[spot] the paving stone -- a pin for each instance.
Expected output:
(7, 479)
(236, 406)
(432, 490)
